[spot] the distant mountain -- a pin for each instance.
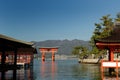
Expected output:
(65, 46)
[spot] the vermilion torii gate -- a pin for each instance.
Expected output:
(45, 50)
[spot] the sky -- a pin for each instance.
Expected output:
(39, 20)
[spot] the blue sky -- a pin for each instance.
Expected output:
(38, 20)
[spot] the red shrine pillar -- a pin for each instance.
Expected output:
(111, 54)
(111, 59)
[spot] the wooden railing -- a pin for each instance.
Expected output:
(20, 59)
(110, 64)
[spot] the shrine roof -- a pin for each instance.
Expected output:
(10, 44)
(7, 38)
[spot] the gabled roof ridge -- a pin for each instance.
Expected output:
(15, 40)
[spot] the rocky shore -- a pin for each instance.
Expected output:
(94, 61)
(90, 61)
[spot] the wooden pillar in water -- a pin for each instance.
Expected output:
(53, 55)
(15, 65)
(31, 68)
(43, 55)
(3, 65)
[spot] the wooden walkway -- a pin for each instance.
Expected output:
(111, 78)
(110, 64)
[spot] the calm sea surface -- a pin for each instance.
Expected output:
(58, 70)
(65, 70)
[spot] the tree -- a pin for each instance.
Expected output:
(80, 51)
(118, 17)
(102, 30)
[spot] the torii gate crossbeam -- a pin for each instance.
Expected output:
(52, 50)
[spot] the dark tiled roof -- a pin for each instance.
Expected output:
(14, 40)
(115, 36)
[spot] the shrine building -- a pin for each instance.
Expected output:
(112, 44)
(14, 52)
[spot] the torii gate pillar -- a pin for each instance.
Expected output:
(52, 50)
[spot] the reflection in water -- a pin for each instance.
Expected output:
(48, 69)
(57, 70)
(87, 71)
(53, 66)
(66, 70)
(21, 74)
(43, 69)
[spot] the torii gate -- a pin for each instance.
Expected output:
(52, 50)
